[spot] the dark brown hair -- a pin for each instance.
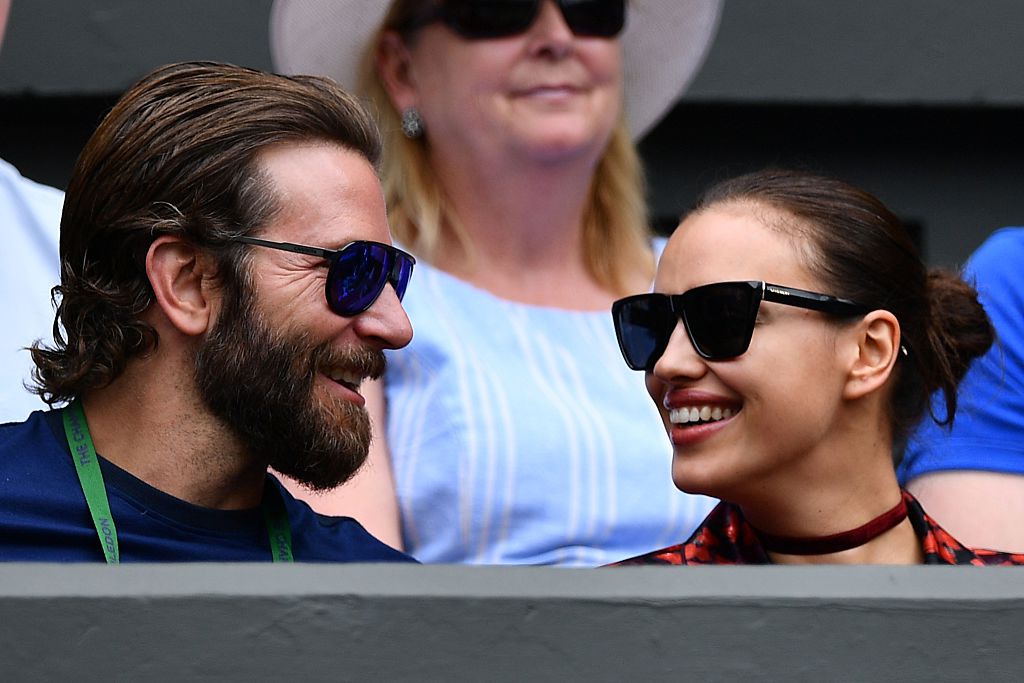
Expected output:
(861, 251)
(176, 155)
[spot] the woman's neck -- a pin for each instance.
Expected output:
(524, 223)
(843, 484)
(899, 545)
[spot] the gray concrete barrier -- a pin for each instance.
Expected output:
(444, 623)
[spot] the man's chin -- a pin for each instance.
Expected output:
(319, 477)
(316, 485)
(327, 454)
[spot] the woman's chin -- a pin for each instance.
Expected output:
(695, 478)
(690, 484)
(558, 134)
(563, 145)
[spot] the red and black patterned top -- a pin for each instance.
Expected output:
(725, 537)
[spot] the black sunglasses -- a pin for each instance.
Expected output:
(358, 271)
(719, 318)
(482, 19)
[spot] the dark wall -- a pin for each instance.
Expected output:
(90, 47)
(919, 101)
(954, 174)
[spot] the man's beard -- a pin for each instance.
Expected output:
(260, 382)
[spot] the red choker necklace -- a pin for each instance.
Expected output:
(834, 543)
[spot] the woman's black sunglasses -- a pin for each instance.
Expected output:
(358, 271)
(482, 19)
(719, 318)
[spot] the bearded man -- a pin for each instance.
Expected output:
(227, 283)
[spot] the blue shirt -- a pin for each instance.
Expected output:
(44, 517)
(988, 433)
(518, 435)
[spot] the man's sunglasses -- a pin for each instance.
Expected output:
(719, 318)
(358, 271)
(482, 19)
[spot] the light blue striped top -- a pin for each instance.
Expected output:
(518, 436)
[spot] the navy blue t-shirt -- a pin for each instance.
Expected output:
(44, 517)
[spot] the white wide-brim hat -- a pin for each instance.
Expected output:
(663, 46)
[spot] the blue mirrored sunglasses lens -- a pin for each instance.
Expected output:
(356, 278)
(403, 268)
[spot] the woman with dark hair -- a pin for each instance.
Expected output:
(792, 341)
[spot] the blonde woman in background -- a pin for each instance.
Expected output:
(511, 431)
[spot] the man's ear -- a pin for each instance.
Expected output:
(877, 338)
(181, 277)
(393, 63)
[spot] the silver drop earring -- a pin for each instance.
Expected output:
(412, 123)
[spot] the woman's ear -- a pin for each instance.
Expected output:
(393, 63)
(877, 338)
(181, 278)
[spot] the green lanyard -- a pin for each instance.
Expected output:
(83, 452)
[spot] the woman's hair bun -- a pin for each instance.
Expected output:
(959, 331)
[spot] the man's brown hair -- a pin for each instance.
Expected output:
(178, 154)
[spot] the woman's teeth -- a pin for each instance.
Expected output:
(695, 414)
